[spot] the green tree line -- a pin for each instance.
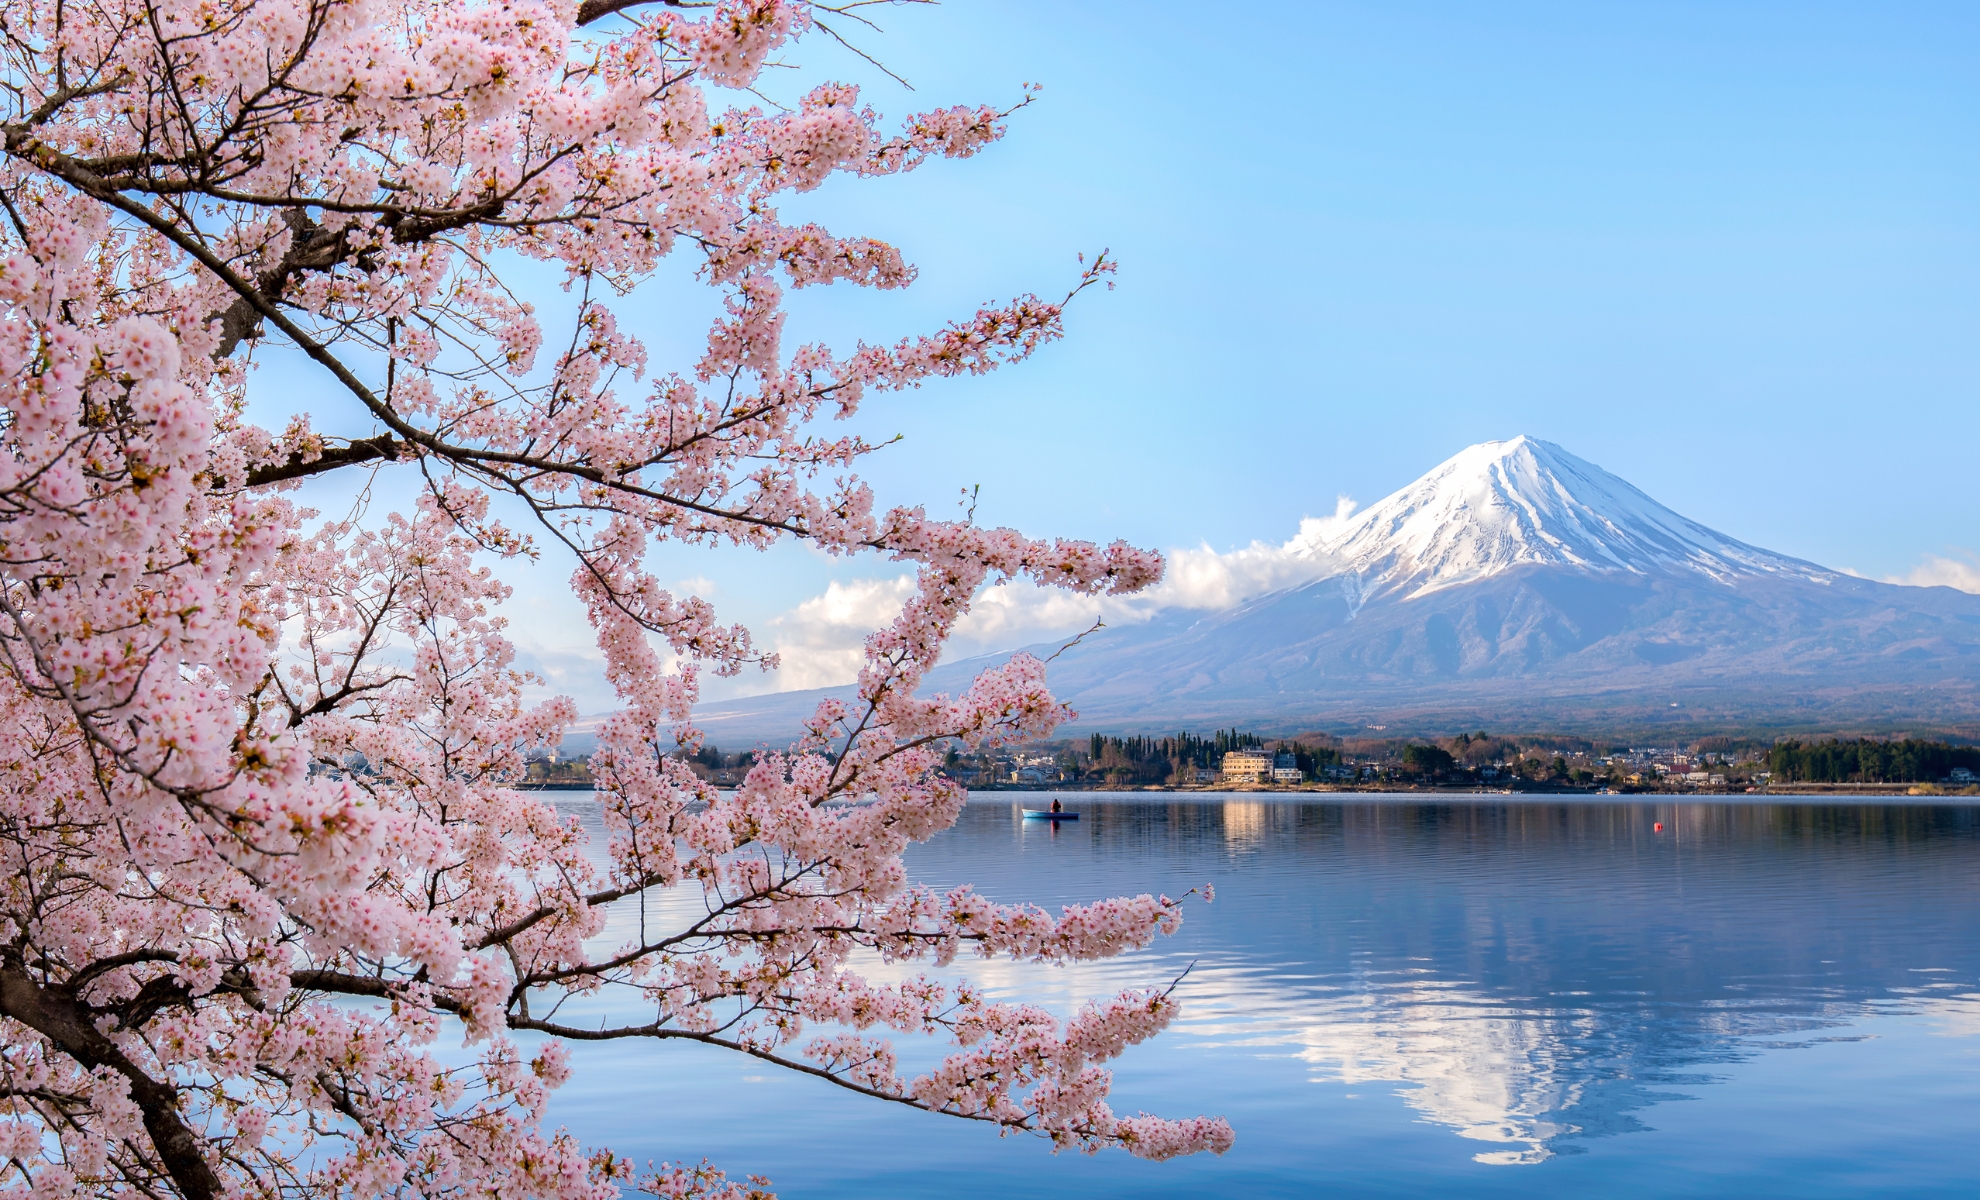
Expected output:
(1155, 759)
(1185, 749)
(1868, 761)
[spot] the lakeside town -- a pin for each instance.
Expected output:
(1230, 760)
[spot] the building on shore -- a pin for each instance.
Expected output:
(1285, 768)
(1248, 766)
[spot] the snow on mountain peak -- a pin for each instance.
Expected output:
(1524, 502)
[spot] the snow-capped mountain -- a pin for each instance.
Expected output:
(1499, 506)
(1518, 586)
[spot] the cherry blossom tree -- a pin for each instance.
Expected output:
(263, 857)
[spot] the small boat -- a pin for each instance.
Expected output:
(1046, 814)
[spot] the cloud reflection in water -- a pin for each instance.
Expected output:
(1532, 974)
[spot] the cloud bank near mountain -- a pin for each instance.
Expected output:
(1940, 571)
(820, 640)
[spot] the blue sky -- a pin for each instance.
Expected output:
(1729, 251)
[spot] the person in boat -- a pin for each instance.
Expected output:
(1058, 807)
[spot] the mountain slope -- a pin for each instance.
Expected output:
(1518, 585)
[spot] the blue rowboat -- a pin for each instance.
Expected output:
(1043, 814)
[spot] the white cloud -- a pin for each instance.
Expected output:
(1011, 614)
(821, 642)
(1203, 578)
(1939, 571)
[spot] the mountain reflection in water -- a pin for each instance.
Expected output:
(1540, 979)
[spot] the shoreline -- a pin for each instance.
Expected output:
(1814, 791)
(1906, 790)
(1473, 797)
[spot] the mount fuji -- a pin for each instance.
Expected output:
(1503, 506)
(1518, 586)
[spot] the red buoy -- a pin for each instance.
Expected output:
(1660, 827)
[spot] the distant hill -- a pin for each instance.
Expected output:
(1518, 586)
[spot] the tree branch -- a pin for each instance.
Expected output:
(300, 466)
(53, 1011)
(598, 10)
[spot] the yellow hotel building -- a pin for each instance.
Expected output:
(1248, 766)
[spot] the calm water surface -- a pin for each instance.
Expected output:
(1488, 998)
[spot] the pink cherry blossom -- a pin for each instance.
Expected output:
(263, 852)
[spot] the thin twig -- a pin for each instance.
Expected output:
(1096, 627)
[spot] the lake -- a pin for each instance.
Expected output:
(1487, 996)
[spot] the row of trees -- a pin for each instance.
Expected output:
(1480, 757)
(1155, 760)
(1868, 761)
(1427, 759)
(1184, 748)
(1163, 756)
(1158, 760)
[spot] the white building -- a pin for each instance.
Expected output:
(1247, 766)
